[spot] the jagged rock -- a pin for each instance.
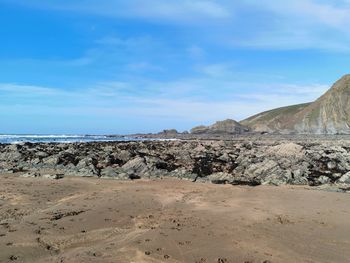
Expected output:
(323, 180)
(287, 150)
(242, 161)
(88, 171)
(50, 160)
(41, 155)
(135, 166)
(345, 179)
(123, 155)
(299, 176)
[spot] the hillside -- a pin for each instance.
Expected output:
(221, 127)
(330, 114)
(275, 120)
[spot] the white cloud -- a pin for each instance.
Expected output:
(171, 100)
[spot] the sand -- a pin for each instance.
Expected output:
(94, 220)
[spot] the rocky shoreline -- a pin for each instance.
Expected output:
(243, 161)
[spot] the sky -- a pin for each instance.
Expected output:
(128, 66)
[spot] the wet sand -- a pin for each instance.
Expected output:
(93, 220)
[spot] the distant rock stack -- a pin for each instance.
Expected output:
(330, 114)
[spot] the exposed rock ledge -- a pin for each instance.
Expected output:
(237, 162)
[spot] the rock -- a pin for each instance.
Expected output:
(134, 177)
(115, 173)
(123, 155)
(30, 175)
(221, 127)
(345, 179)
(288, 150)
(244, 161)
(109, 172)
(41, 155)
(267, 172)
(50, 160)
(324, 180)
(169, 132)
(299, 177)
(220, 178)
(199, 129)
(329, 114)
(225, 157)
(135, 166)
(88, 171)
(45, 176)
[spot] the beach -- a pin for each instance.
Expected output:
(99, 220)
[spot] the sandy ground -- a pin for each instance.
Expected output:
(92, 220)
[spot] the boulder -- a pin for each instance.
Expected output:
(135, 166)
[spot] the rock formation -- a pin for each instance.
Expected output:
(244, 161)
(221, 127)
(330, 114)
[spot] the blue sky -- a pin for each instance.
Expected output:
(126, 66)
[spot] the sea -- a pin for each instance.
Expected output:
(33, 138)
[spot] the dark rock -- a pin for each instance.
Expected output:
(244, 161)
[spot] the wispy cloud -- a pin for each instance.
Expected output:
(173, 100)
(330, 13)
(297, 24)
(176, 11)
(301, 24)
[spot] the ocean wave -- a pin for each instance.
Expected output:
(62, 138)
(47, 138)
(39, 136)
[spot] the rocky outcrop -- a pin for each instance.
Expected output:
(170, 132)
(330, 114)
(244, 161)
(221, 127)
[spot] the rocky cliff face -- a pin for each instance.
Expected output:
(330, 114)
(221, 127)
(234, 162)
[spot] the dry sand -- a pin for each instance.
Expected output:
(92, 220)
